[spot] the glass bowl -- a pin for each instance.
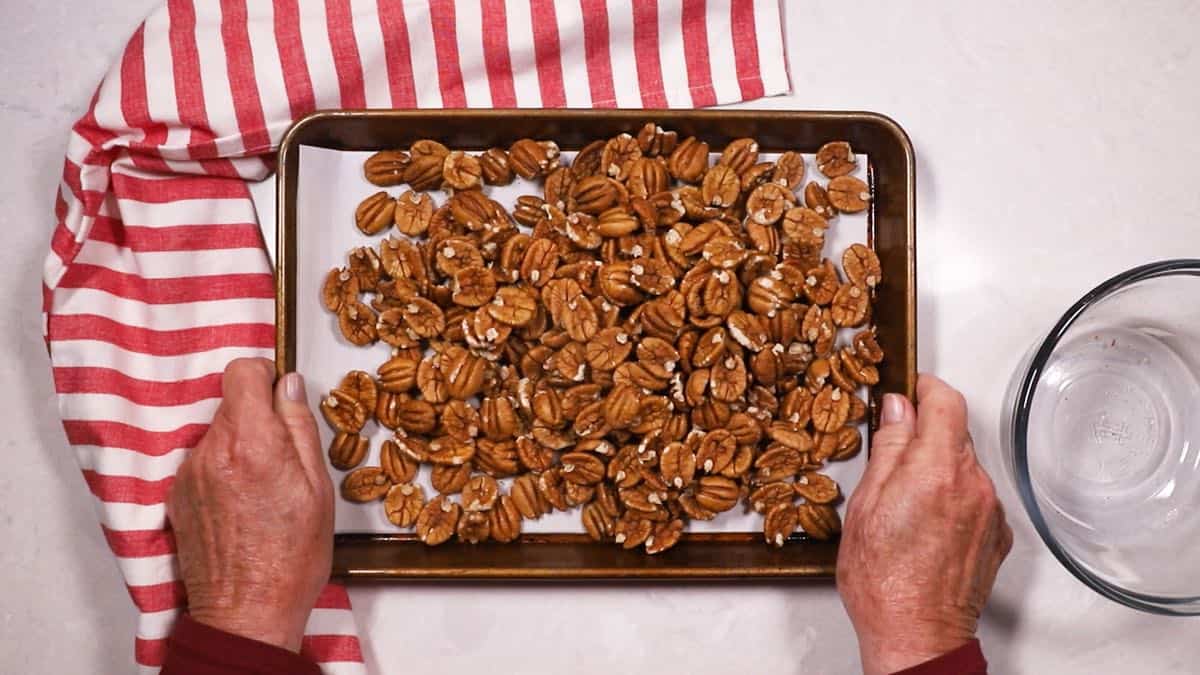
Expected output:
(1103, 442)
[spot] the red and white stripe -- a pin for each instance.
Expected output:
(157, 277)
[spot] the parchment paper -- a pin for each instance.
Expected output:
(330, 186)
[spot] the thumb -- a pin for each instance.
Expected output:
(291, 404)
(897, 428)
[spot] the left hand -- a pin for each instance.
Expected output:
(252, 510)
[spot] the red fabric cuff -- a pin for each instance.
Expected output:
(966, 660)
(197, 649)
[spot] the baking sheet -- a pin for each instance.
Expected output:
(330, 185)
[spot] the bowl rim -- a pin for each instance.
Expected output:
(1171, 606)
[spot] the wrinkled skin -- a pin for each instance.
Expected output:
(924, 534)
(252, 510)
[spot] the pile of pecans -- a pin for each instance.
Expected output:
(658, 342)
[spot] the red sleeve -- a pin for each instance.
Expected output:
(197, 649)
(966, 660)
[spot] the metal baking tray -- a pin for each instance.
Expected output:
(891, 230)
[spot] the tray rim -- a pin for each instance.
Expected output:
(823, 566)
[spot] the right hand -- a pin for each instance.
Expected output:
(924, 534)
(252, 510)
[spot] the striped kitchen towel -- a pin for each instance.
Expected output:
(157, 276)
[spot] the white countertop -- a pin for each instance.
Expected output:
(1055, 147)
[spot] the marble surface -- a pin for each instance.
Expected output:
(1054, 143)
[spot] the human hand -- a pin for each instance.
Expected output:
(924, 534)
(252, 510)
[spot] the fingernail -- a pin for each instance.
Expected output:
(893, 409)
(293, 387)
